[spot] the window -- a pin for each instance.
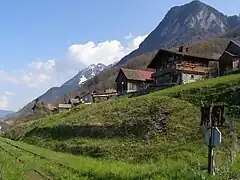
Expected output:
(236, 64)
(192, 76)
(132, 86)
(170, 58)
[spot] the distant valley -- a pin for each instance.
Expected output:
(4, 113)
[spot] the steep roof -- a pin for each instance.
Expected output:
(137, 75)
(233, 55)
(232, 49)
(146, 75)
(74, 101)
(168, 51)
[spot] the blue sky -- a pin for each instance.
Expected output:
(44, 43)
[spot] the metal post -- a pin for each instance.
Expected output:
(210, 154)
(210, 147)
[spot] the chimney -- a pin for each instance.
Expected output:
(180, 49)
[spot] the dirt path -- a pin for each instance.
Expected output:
(34, 176)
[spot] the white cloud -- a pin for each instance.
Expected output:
(38, 76)
(4, 76)
(8, 93)
(3, 102)
(5, 97)
(129, 36)
(41, 66)
(138, 40)
(91, 53)
(105, 52)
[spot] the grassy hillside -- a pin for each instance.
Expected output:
(217, 90)
(161, 126)
(114, 129)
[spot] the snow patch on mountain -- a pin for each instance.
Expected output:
(82, 79)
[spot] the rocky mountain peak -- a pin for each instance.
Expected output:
(185, 24)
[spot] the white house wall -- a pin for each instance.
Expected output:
(188, 78)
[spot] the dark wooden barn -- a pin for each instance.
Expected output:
(131, 80)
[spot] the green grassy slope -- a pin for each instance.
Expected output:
(117, 129)
(64, 166)
(160, 127)
(217, 90)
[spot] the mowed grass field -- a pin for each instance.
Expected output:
(156, 136)
(40, 163)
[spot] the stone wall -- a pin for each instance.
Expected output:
(188, 78)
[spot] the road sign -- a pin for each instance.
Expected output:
(216, 137)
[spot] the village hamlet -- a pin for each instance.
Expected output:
(166, 69)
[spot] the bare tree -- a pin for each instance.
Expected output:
(232, 147)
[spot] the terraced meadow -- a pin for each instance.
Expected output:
(156, 136)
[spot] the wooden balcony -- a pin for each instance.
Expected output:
(193, 68)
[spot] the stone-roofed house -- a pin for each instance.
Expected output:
(131, 80)
(230, 59)
(180, 67)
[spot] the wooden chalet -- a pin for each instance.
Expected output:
(74, 101)
(86, 98)
(230, 59)
(131, 80)
(63, 107)
(180, 67)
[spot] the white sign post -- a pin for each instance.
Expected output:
(213, 139)
(212, 136)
